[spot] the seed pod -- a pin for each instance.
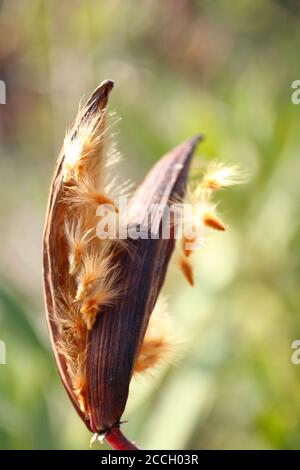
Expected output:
(99, 295)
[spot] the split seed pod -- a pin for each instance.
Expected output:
(100, 294)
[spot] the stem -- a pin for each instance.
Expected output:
(118, 441)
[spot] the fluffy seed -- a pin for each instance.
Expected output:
(78, 377)
(82, 151)
(186, 269)
(78, 239)
(104, 295)
(212, 221)
(84, 193)
(159, 341)
(219, 176)
(202, 211)
(94, 268)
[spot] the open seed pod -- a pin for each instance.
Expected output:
(100, 294)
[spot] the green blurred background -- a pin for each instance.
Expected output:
(180, 67)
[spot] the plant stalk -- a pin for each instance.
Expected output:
(118, 441)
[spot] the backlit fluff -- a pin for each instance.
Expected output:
(78, 238)
(94, 268)
(82, 152)
(160, 341)
(218, 176)
(73, 342)
(84, 193)
(203, 211)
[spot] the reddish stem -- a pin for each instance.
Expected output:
(118, 441)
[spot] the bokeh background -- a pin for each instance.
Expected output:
(180, 67)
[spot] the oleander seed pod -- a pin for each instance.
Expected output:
(100, 294)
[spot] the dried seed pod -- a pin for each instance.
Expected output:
(99, 296)
(100, 293)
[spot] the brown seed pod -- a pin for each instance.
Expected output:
(100, 293)
(96, 353)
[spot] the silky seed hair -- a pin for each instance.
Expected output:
(94, 268)
(85, 194)
(72, 342)
(160, 342)
(200, 197)
(78, 238)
